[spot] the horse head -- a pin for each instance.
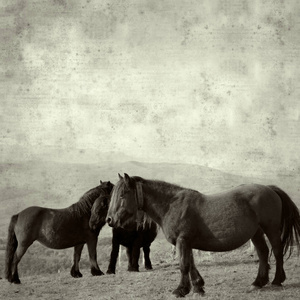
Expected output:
(125, 208)
(106, 186)
(100, 206)
(99, 212)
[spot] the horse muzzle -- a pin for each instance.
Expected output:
(109, 221)
(113, 222)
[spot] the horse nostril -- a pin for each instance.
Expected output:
(108, 220)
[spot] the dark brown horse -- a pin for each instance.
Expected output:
(132, 239)
(219, 222)
(56, 229)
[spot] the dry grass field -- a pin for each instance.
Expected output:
(44, 272)
(227, 276)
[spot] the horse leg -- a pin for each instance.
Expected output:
(113, 257)
(135, 256)
(196, 278)
(185, 253)
(92, 247)
(21, 250)
(148, 264)
(75, 268)
(129, 257)
(262, 250)
(277, 248)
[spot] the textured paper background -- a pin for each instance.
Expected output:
(214, 83)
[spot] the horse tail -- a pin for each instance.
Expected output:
(11, 246)
(290, 222)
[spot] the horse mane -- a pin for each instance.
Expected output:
(166, 187)
(159, 185)
(86, 201)
(147, 222)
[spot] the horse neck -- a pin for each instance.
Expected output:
(84, 205)
(157, 199)
(81, 209)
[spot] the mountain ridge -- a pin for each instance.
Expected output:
(59, 184)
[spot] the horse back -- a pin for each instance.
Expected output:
(31, 215)
(38, 220)
(222, 221)
(246, 199)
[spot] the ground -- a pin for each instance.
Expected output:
(227, 276)
(45, 273)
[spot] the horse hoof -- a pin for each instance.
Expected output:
(133, 270)
(96, 272)
(76, 274)
(277, 285)
(199, 290)
(148, 268)
(180, 293)
(110, 272)
(17, 281)
(253, 288)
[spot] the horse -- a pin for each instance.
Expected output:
(57, 229)
(132, 239)
(217, 222)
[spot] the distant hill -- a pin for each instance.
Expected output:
(57, 185)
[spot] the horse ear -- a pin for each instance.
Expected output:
(101, 182)
(126, 179)
(120, 177)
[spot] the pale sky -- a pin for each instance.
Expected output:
(188, 81)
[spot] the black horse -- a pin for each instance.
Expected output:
(57, 229)
(132, 239)
(218, 222)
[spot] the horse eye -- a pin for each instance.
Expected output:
(125, 192)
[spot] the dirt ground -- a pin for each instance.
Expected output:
(227, 276)
(45, 272)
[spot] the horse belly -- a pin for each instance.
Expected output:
(58, 235)
(224, 243)
(56, 241)
(226, 230)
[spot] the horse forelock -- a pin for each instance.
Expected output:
(97, 207)
(116, 193)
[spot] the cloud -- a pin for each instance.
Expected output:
(208, 83)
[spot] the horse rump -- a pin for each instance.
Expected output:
(290, 222)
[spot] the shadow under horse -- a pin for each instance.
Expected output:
(57, 229)
(133, 239)
(218, 222)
